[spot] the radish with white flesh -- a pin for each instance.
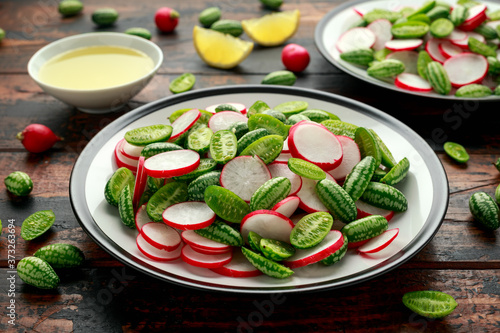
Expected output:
(161, 236)
(466, 68)
(285, 148)
(189, 215)
(408, 58)
(457, 35)
(243, 175)
(282, 170)
(464, 43)
(331, 243)
(283, 158)
(182, 124)
(361, 12)
(412, 82)
(379, 242)
(287, 206)
(122, 161)
(222, 120)
(350, 157)
(238, 267)
(493, 24)
(156, 254)
(476, 16)
(141, 217)
(309, 200)
(141, 179)
(194, 258)
(382, 30)
(432, 47)
(202, 244)
(131, 151)
(316, 144)
(268, 224)
(448, 49)
(240, 107)
(365, 210)
(172, 163)
(403, 44)
(355, 39)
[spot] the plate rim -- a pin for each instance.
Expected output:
(430, 227)
(318, 32)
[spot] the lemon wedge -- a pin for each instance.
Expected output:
(220, 50)
(272, 29)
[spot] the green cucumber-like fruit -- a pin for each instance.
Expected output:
(270, 193)
(231, 27)
(438, 78)
(61, 255)
(223, 146)
(480, 48)
(376, 14)
(497, 194)
(209, 16)
(267, 148)
(378, 174)
(250, 137)
(306, 169)
(18, 183)
(368, 144)
(104, 17)
(496, 91)
(206, 165)
(239, 129)
(410, 29)
(226, 204)
(385, 196)
(295, 118)
(337, 255)
(291, 107)
(154, 184)
(139, 32)
(486, 31)
(381, 54)
(429, 303)
(199, 139)
(360, 176)
(221, 232)
(456, 151)
(422, 61)
(2, 34)
(226, 107)
(120, 178)
(204, 118)
(37, 224)
(182, 83)
(338, 202)
(143, 136)
(493, 65)
(339, 127)
(311, 230)
(257, 107)
(37, 272)
(276, 114)
(438, 12)
(365, 228)
(387, 158)
(196, 188)
(318, 116)
(275, 249)
(424, 8)
(282, 77)
(360, 57)
(167, 195)
(272, 4)
(485, 210)
(270, 123)
(473, 91)
(441, 27)
(420, 17)
(267, 266)
(494, 15)
(397, 173)
(254, 241)
(458, 15)
(70, 7)
(386, 68)
(126, 208)
(158, 147)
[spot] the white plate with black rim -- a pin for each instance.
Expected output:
(342, 17)
(426, 188)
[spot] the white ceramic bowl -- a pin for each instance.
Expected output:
(96, 100)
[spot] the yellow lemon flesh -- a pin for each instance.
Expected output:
(220, 50)
(272, 29)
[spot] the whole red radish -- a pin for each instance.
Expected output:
(37, 138)
(166, 19)
(295, 57)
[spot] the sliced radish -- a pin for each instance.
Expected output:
(285, 148)
(355, 245)
(141, 179)
(282, 170)
(408, 58)
(457, 35)
(172, 163)
(350, 157)
(464, 43)
(283, 158)
(222, 120)
(189, 215)
(239, 266)
(365, 210)
(403, 44)
(268, 224)
(287, 206)
(131, 151)
(355, 39)
(182, 124)
(156, 254)
(379, 242)
(240, 107)
(432, 47)
(412, 82)
(314, 143)
(309, 200)
(122, 161)
(360, 11)
(141, 217)
(448, 49)
(493, 24)
(243, 175)
(382, 30)
(477, 15)
(203, 244)
(161, 236)
(198, 259)
(466, 68)
(331, 243)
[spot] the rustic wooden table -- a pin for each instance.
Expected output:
(106, 296)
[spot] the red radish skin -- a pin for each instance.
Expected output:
(140, 182)
(166, 19)
(361, 12)
(477, 15)
(37, 138)
(130, 151)
(205, 251)
(122, 161)
(222, 120)
(282, 170)
(182, 124)
(356, 38)
(309, 200)
(295, 57)
(201, 244)
(287, 206)
(198, 259)
(466, 68)
(403, 44)
(351, 156)
(189, 215)
(141, 217)
(172, 163)
(155, 254)
(240, 107)
(365, 210)
(382, 30)
(238, 267)
(432, 47)
(448, 49)
(161, 236)
(355, 245)
(379, 242)
(456, 35)
(268, 224)
(464, 43)
(331, 243)
(412, 82)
